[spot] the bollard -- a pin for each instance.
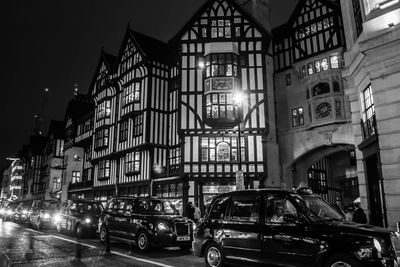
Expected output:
(107, 243)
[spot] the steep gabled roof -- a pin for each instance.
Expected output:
(56, 129)
(282, 30)
(109, 60)
(204, 8)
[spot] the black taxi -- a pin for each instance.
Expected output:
(79, 217)
(146, 222)
(42, 212)
(288, 228)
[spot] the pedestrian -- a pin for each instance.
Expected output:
(190, 211)
(349, 212)
(359, 215)
(196, 214)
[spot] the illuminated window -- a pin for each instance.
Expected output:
(297, 117)
(104, 169)
(76, 177)
(221, 149)
(103, 110)
(137, 126)
(222, 65)
(56, 183)
(132, 162)
(334, 60)
(310, 69)
(175, 158)
(324, 64)
(101, 138)
(221, 28)
(131, 93)
(317, 65)
(77, 157)
(220, 106)
(367, 104)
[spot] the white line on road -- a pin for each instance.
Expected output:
(34, 231)
(72, 241)
(140, 259)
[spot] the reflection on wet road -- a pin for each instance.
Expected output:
(23, 246)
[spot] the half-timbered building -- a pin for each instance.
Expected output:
(219, 101)
(313, 114)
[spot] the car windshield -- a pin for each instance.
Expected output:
(316, 208)
(163, 207)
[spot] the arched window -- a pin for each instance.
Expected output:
(223, 151)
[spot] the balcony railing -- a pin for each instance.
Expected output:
(80, 185)
(368, 128)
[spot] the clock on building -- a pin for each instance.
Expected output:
(323, 110)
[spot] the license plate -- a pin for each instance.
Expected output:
(182, 238)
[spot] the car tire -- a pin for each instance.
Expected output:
(78, 230)
(213, 256)
(341, 259)
(143, 241)
(103, 234)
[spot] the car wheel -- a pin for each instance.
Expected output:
(103, 234)
(341, 260)
(78, 231)
(213, 256)
(143, 241)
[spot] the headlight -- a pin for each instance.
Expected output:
(162, 227)
(1, 211)
(377, 245)
(56, 218)
(24, 211)
(9, 212)
(46, 216)
(194, 226)
(88, 220)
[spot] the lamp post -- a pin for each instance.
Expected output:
(238, 101)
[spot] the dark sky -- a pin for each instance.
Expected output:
(55, 43)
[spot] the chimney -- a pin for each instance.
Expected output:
(259, 9)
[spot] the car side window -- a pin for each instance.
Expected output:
(110, 206)
(219, 209)
(120, 207)
(143, 206)
(278, 209)
(129, 207)
(245, 208)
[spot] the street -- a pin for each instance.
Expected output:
(22, 246)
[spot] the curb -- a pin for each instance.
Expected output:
(4, 260)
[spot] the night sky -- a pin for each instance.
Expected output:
(56, 43)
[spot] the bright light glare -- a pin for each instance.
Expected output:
(201, 64)
(57, 218)
(87, 220)
(46, 216)
(238, 98)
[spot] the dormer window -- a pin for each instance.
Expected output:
(104, 110)
(221, 28)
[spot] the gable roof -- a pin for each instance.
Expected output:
(286, 28)
(257, 24)
(109, 60)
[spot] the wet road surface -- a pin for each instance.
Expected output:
(24, 246)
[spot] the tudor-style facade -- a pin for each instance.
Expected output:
(313, 114)
(220, 102)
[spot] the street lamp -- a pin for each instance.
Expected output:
(238, 101)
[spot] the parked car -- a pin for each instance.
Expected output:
(287, 228)
(145, 221)
(8, 211)
(42, 213)
(79, 216)
(21, 214)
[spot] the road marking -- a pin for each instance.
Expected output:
(140, 259)
(72, 241)
(34, 231)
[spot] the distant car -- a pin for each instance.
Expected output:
(288, 228)
(79, 216)
(21, 214)
(145, 221)
(42, 213)
(8, 211)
